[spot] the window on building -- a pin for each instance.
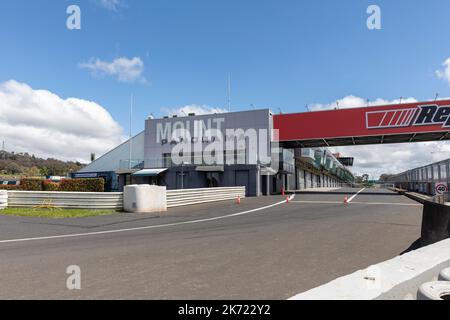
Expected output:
(435, 172)
(429, 173)
(443, 171)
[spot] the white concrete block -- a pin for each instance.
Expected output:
(3, 199)
(144, 199)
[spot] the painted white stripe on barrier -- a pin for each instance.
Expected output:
(147, 227)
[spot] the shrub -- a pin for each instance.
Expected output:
(48, 185)
(31, 184)
(82, 185)
(10, 187)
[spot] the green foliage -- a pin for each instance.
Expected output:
(73, 185)
(10, 187)
(29, 165)
(83, 185)
(48, 185)
(31, 184)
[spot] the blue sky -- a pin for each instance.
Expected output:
(281, 54)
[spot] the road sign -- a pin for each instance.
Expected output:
(441, 188)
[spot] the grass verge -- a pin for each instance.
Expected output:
(54, 213)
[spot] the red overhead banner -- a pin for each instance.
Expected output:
(408, 118)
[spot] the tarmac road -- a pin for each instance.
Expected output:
(271, 253)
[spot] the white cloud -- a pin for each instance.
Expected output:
(124, 69)
(445, 73)
(192, 108)
(352, 101)
(40, 122)
(112, 5)
(394, 158)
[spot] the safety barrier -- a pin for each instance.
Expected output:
(3, 199)
(436, 219)
(404, 277)
(84, 200)
(91, 200)
(177, 198)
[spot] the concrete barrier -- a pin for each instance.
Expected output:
(396, 279)
(185, 197)
(144, 199)
(68, 200)
(3, 199)
(436, 219)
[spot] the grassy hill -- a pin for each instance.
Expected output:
(22, 164)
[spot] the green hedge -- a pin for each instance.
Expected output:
(31, 184)
(83, 185)
(73, 185)
(10, 187)
(48, 185)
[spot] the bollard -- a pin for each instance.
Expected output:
(345, 200)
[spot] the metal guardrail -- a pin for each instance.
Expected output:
(185, 197)
(91, 200)
(3, 199)
(78, 200)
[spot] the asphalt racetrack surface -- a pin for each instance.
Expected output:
(263, 248)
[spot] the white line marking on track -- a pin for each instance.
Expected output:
(147, 227)
(355, 195)
(390, 204)
(368, 203)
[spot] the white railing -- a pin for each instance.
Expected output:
(85, 200)
(106, 200)
(185, 197)
(3, 199)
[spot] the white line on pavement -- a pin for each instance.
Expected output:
(390, 204)
(147, 227)
(355, 202)
(354, 196)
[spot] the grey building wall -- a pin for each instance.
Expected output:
(154, 147)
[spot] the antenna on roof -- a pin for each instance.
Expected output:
(337, 105)
(436, 96)
(400, 102)
(368, 102)
(229, 92)
(307, 108)
(131, 130)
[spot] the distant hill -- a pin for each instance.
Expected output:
(24, 164)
